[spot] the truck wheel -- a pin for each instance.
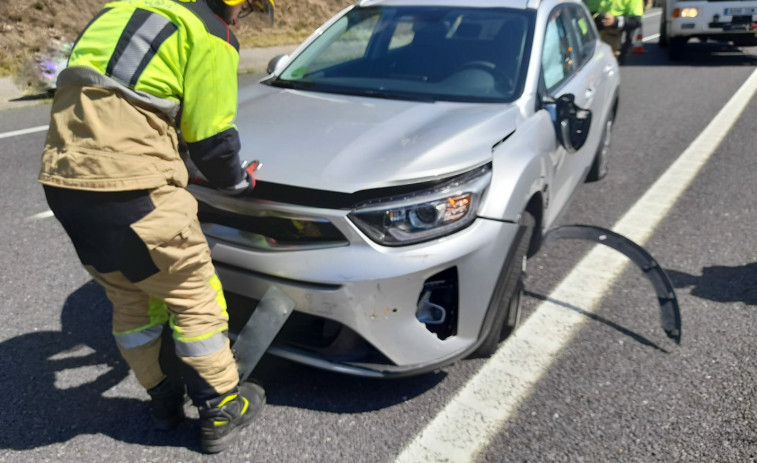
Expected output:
(662, 42)
(676, 46)
(507, 315)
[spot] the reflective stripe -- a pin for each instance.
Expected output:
(138, 44)
(194, 347)
(205, 344)
(140, 337)
(215, 283)
(87, 76)
(158, 313)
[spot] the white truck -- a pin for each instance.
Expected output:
(724, 21)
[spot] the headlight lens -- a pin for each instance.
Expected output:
(426, 214)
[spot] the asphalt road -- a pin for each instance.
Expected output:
(619, 391)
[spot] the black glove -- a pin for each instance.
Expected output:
(245, 187)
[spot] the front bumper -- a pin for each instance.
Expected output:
(363, 294)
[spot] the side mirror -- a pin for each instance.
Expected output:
(571, 122)
(276, 63)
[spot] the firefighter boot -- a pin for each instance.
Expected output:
(222, 418)
(168, 400)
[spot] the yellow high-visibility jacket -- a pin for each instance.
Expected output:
(138, 68)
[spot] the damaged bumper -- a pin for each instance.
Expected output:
(361, 308)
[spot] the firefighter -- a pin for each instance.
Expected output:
(143, 77)
(616, 21)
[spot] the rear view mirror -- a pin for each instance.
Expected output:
(571, 122)
(276, 63)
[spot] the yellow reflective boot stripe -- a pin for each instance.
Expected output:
(227, 400)
(140, 336)
(246, 404)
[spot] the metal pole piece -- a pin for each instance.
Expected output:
(258, 333)
(670, 313)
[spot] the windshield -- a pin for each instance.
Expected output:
(419, 53)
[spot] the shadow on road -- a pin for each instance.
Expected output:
(720, 283)
(54, 382)
(696, 54)
(59, 384)
(293, 385)
(621, 329)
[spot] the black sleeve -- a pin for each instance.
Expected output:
(631, 23)
(217, 158)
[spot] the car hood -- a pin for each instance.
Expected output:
(347, 143)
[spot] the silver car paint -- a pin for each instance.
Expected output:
(358, 143)
(368, 287)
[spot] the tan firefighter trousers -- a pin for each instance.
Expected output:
(179, 284)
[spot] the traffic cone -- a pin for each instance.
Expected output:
(638, 44)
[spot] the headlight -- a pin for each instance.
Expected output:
(689, 12)
(423, 215)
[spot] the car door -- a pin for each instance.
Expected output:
(595, 70)
(564, 71)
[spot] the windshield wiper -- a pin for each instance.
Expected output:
(383, 94)
(294, 84)
(302, 85)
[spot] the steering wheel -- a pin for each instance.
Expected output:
(499, 76)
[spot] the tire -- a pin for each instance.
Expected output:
(663, 40)
(508, 307)
(599, 169)
(676, 47)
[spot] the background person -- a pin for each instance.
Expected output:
(616, 21)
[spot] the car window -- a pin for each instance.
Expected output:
(403, 34)
(558, 58)
(585, 35)
(350, 42)
(451, 53)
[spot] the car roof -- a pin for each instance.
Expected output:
(516, 4)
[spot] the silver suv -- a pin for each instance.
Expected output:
(412, 152)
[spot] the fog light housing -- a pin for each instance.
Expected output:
(438, 303)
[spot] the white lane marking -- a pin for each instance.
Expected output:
(24, 131)
(652, 14)
(650, 37)
(481, 408)
(42, 215)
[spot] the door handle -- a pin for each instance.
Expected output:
(589, 92)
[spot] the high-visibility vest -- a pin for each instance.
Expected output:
(176, 57)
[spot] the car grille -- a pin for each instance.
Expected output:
(270, 232)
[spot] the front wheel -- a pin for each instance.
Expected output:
(598, 169)
(508, 307)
